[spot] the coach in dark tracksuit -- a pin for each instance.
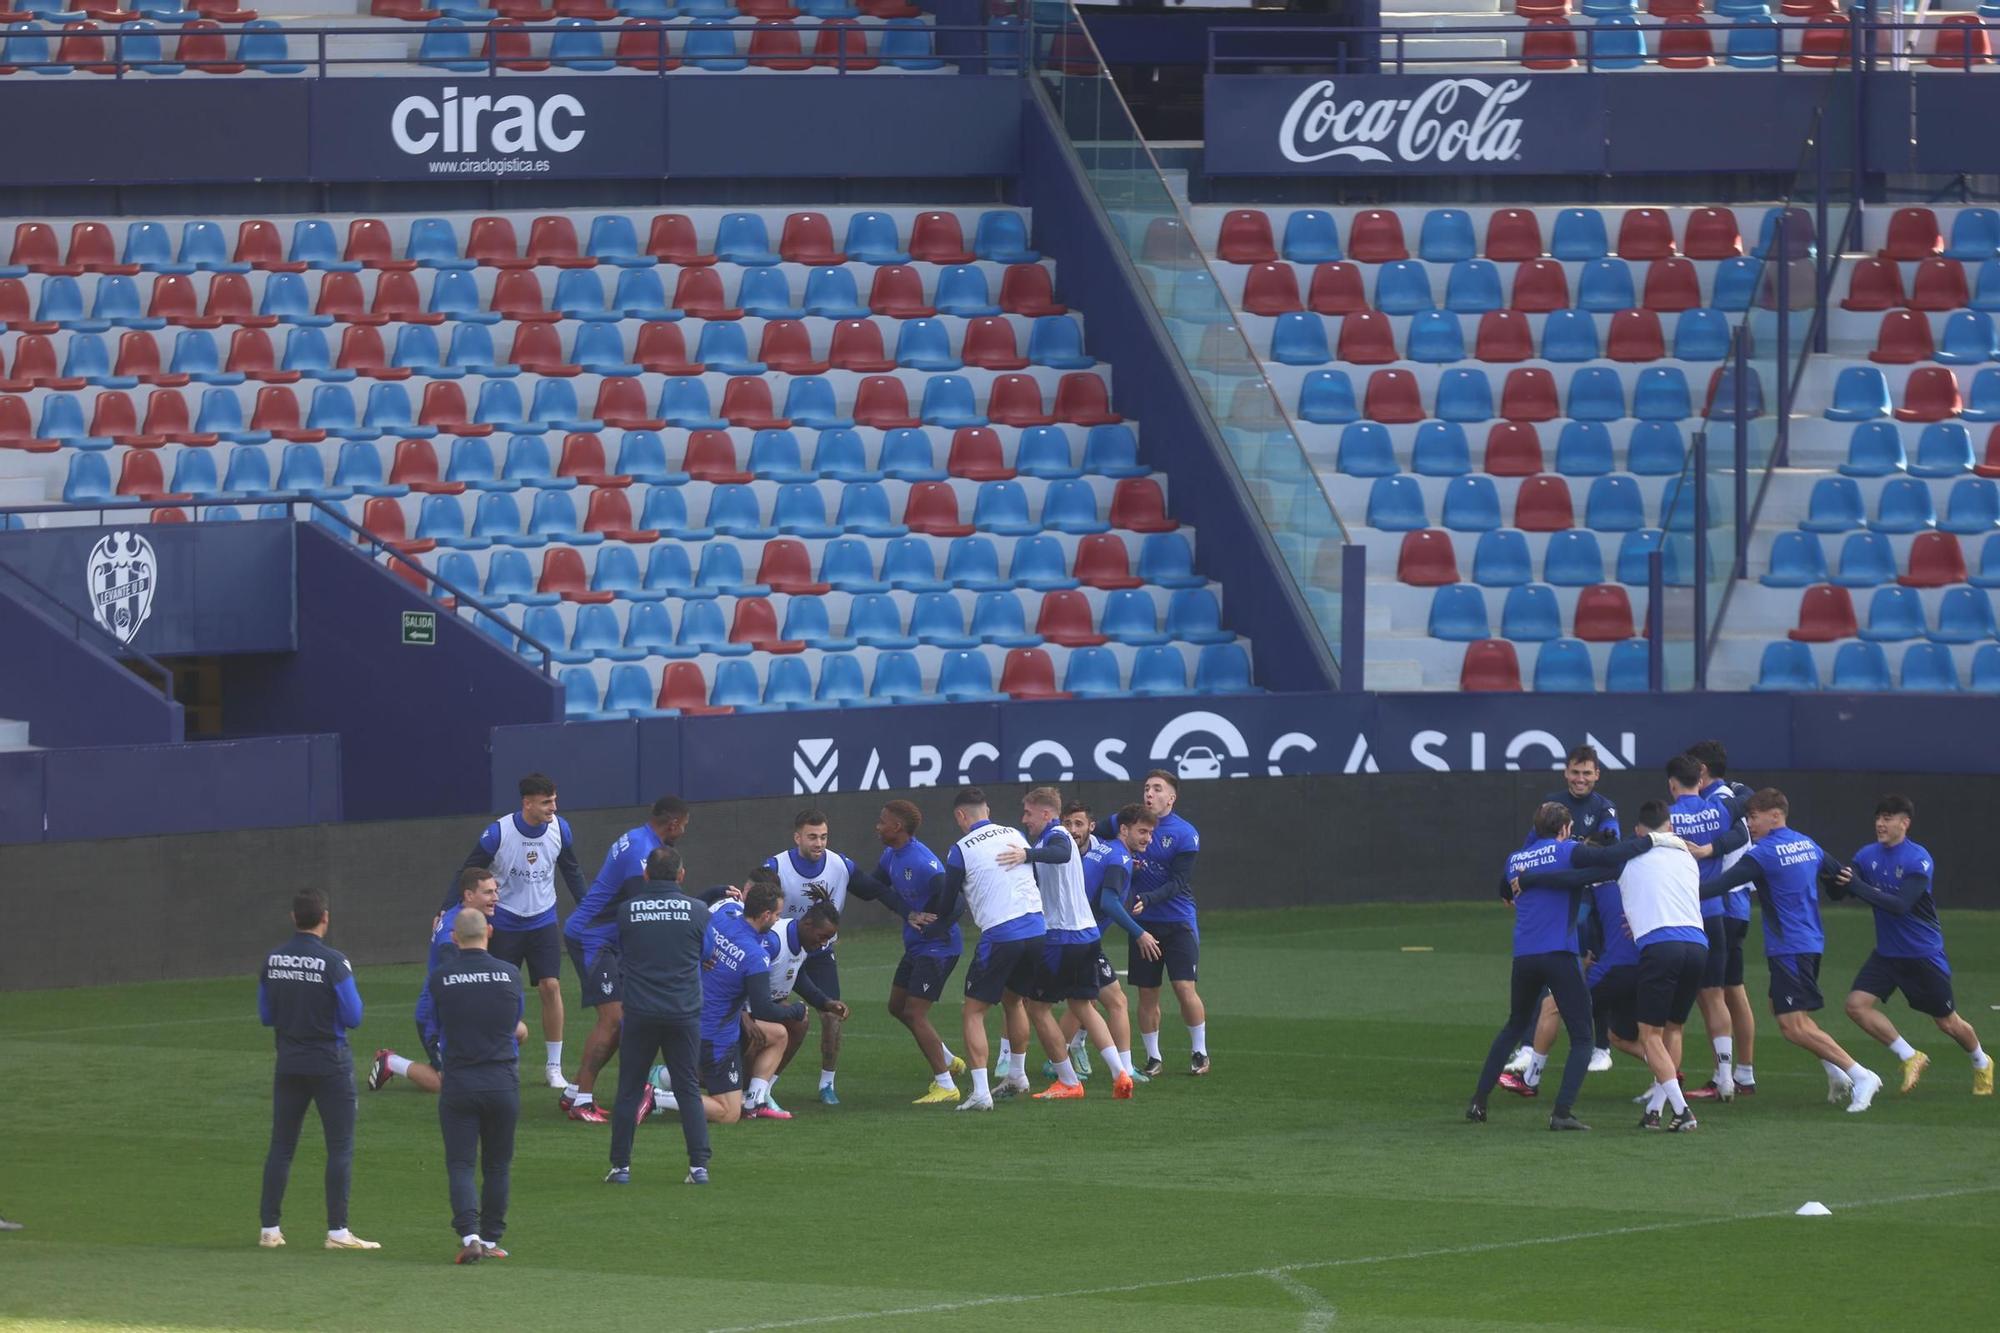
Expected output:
(661, 934)
(478, 1002)
(306, 992)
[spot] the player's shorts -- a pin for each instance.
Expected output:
(721, 1068)
(1670, 972)
(1180, 956)
(599, 978)
(1107, 975)
(1924, 982)
(1795, 983)
(1068, 972)
(429, 1039)
(999, 966)
(538, 950)
(1616, 996)
(1725, 951)
(924, 976)
(823, 972)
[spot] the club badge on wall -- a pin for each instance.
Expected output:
(123, 573)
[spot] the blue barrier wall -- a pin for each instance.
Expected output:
(413, 720)
(69, 690)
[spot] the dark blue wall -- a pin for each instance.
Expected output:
(68, 689)
(1149, 385)
(413, 721)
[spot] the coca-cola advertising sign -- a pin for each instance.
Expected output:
(1383, 123)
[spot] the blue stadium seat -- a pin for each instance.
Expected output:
(1440, 450)
(668, 572)
(1583, 449)
(710, 44)
(1092, 674)
(147, 245)
(735, 687)
(1655, 449)
(1859, 667)
(579, 292)
(907, 43)
(897, 678)
(454, 293)
(1661, 394)
(1001, 237)
(1326, 397)
(263, 46)
(1396, 504)
(703, 630)
(1596, 394)
(88, 480)
(1458, 613)
(1194, 616)
(1531, 614)
(1968, 339)
(1563, 666)
(840, 456)
(1464, 394)
(471, 348)
(684, 402)
(1975, 235)
(1472, 287)
(1986, 668)
(1982, 397)
(617, 570)
(1753, 42)
(831, 294)
(800, 511)
(1129, 617)
(1944, 451)
(1578, 233)
(1929, 667)
(1988, 573)
(553, 518)
(447, 44)
(872, 239)
(1403, 287)
(302, 470)
(1861, 393)
(640, 294)
(1614, 504)
(141, 47)
(1894, 614)
(998, 620)
(1471, 504)
(1875, 449)
(765, 293)
(962, 291)
(1071, 507)
(600, 349)
(1972, 507)
(1701, 334)
(612, 240)
(948, 401)
(840, 682)
(596, 632)
(1109, 451)
(1797, 561)
(922, 344)
(576, 44)
(1569, 335)
(1834, 505)
(1787, 666)
(1039, 563)
(1299, 339)
(864, 510)
(1573, 559)
(1605, 286)
(1159, 670)
(580, 700)
(909, 564)
(1677, 510)
(908, 455)
(1223, 668)
(433, 242)
(1056, 341)
(195, 354)
(1965, 615)
(722, 346)
(1433, 338)
(1446, 236)
(938, 619)
(1167, 561)
(249, 471)
(509, 578)
(117, 300)
(775, 456)
(1002, 508)
(1365, 450)
(629, 692)
(787, 684)
(1500, 560)
(471, 462)
(733, 510)
(807, 622)
(1904, 505)
(1629, 669)
(1734, 284)
(665, 511)
(545, 624)
(809, 402)
(974, 563)
(1311, 237)
(332, 410)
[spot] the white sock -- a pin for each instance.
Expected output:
(1125, 1062)
(1832, 1070)
(760, 1088)
(1152, 1040)
(979, 1081)
(948, 1056)
(1198, 1036)
(1604, 1051)
(341, 1234)
(470, 1239)
(268, 1231)
(583, 1098)
(826, 1078)
(1109, 1054)
(1076, 1042)
(1065, 1072)
(1725, 1051)
(1006, 1053)
(944, 1080)
(1656, 1097)
(1980, 1059)
(1901, 1049)
(398, 1065)
(1675, 1097)
(1017, 1066)
(1536, 1063)
(555, 1052)
(1745, 1075)
(1855, 1072)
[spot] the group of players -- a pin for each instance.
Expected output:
(1618, 941)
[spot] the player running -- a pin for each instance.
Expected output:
(1107, 876)
(809, 873)
(1896, 877)
(1701, 822)
(1786, 866)
(1716, 787)
(1163, 903)
(790, 945)
(476, 888)
(526, 851)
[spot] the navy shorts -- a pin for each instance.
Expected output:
(1107, 975)
(1068, 972)
(1670, 972)
(538, 950)
(999, 966)
(1795, 983)
(721, 1068)
(1724, 966)
(823, 972)
(1180, 956)
(923, 976)
(1925, 983)
(1616, 996)
(598, 978)
(428, 1039)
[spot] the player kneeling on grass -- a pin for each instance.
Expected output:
(790, 945)
(476, 889)
(735, 979)
(1787, 868)
(1894, 876)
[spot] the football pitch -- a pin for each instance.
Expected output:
(1320, 1177)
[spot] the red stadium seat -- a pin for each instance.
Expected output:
(1367, 338)
(883, 402)
(622, 402)
(976, 455)
(1913, 235)
(259, 245)
(1015, 400)
(1529, 394)
(410, 11)
(1543, 505)
(92, 249)
(1029, 674)
(1685, 43)
(1427, 559)
(775, 44)
(897, 292)
(1549, 43)
(671, 240)
(1931, 394)
(1512, 235)
(785, 346)
(842, 44)
(398, 300)
(1826, 613)
(1540, 285)
(711, 457)
(36, 250)
(1990, 465)
(35, 365)
(1672, 285)
(932, 509)
(746, 402)
(1939, 285)
(341, 298)
(1904, 338)
(583, 461)
(204, 49)
(507, 43)
(564, 575)
(492, 242)
(173, 299)
(698, 292)
(684, 689)
(1065, 619)
(167, 418)
(644, 44)
(936, 238)
(1271, 289)
(786, 567)
(1025, 289)
(1336, 290)
(989, 345)
(1826, 44)
(1392, 398)
(1645, 233)
(415, 464)
(382, 519)
(552, 240)
(139, 357)
(662, 350)
(140, 477)
(112, 416)
(1874, 284)
(1103, 562)
(1603, 614)
(1376, 237)
(369, 244)
(82, 47)
(1504, 335)
(277, 411)
(1082, 399)
(518, 295)
(1961, 42)
(807, 238)
(1513, 449)
(1138, 505)
(170, 516)
(538, 351)
(1490, 666)
(1712, 233)
(251, 354)
(1634, 336)
(610, 512)
(1245, 238)
(443, 406)
(1936, 561)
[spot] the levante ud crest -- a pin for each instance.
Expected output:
(123, 572)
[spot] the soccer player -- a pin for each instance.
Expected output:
(307, 996)
(908, 880)
(811, 874)
(790, 945)
(526, 851)
(1717, 787)
(1163, 902)
(1786, 865)
(1007, 907)
(1592, 815)
(1545, 953)
(1701, 822)
(661, 935)
(591, 935)
(1073, 961)
(476, 889)
(736, 973)
(1896, 877)
(1107, 875)
(479, 1005)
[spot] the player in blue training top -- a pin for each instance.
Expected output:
(1725, 969)
(810, 873)
(1701, 822)
(1107, 877)
(735, 980)
(908, 880)
(526, 851)
(591, 936)
(1163, 902)
(1897, 878)
(1786, 866)
(1545, 951)
(476, 888)
(1592, 815)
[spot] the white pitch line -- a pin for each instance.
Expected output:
(1280, 1271)
(1320, 1314)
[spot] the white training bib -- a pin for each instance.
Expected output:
(1065, 904)
(789, 959)
(995, 894)
(798, 888)
(1659, 889)
(525, 868)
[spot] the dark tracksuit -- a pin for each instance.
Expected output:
(478, 1002)
(661, 934)
(306, 993)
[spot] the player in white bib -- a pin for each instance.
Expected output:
(791, 945)
(809, 873)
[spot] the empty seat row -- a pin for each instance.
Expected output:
(1619, 41)
(1868, 560)
(1436, 338)
(1944, 449)
(1930, 393)
(533, 11)
(1904, 504)
(1936, 284)
(1527, 394)
(1574, 558)
(1926, 667)
(1905, 338)
(871, 237)
(1531, 613)
(1562, 665)
(200, 45)
(1538, 286)
(708, 43)
(1542, 504)
(1963, 615)
(1512, 449)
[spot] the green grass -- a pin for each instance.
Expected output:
(1321, 1176)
